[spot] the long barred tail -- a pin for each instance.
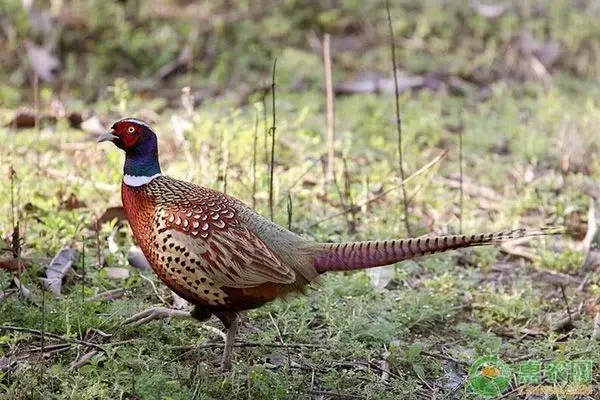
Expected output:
(362, 255)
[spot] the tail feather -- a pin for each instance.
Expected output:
(362, 255)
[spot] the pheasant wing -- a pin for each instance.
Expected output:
(225, 250)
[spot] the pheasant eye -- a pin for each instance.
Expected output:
(131, 130)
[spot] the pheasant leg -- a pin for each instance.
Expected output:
(158, 313)
(230, 320)
(154, 314)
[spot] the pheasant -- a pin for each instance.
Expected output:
(222, 257)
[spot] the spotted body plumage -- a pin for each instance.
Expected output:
(214, 251)
(196, 243)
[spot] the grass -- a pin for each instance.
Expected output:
(456, 306)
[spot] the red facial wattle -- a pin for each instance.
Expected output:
(130, 139)
(129, 134)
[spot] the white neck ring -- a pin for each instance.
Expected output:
(132, 180)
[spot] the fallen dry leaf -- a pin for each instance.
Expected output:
(13, 264)
(58, 268)
(591, 242)
(513, 248)
(596, 331)
(71, 203)
(381, 276)
(111, 213)
(24, 118)
(137, 259)
(113, 246)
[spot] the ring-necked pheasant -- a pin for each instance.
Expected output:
(217, 253)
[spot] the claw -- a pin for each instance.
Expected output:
(154, 314)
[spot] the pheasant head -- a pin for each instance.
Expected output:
(140, 144)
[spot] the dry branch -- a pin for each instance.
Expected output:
(330, 109)
(398, 120)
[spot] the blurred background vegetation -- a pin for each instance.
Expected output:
(516, 82)
(231, 44)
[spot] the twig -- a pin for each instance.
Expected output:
(564, 296)
(43, 331)
(83, 360)
(280, 337)
(16, 237)
(460, 166)
(26, 293)
(346, 200)
(225, 156)
(112, 294)
(36, 107)
(98, 247)
(83, 270)
(254, 151)
(266, 138)
(154, 289)
(50, 348)
(512, 247)
(215, 331)
(585, 281)
(250, 344)
(350, 199)
(398, 119)
(289, 211)
(335, 395)
(510, 393)
(12, 176)
(343, 199)
(49, 335)
(385, 366)
(330, 109)
(410, 178)
(272, 132)
(444, 357)
(122, 342)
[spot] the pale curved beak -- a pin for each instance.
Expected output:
(108, 137)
